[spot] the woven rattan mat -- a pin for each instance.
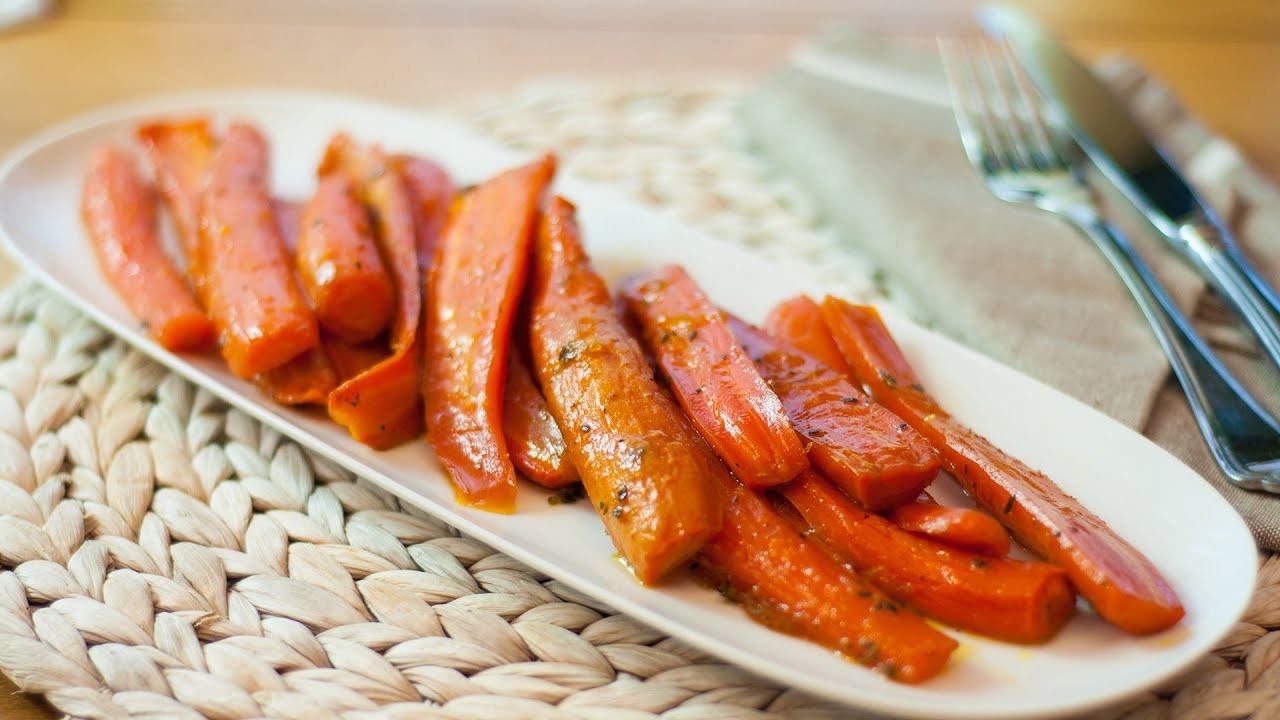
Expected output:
(166, 556)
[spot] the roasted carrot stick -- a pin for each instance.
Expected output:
(1121, 583)
(1011, 600)
(263, 320)
(713, 379)
(289, 220)
(798, 321)
(118, 211)
(658, 487)
(432, 192)
(533, 439)
(482, 265)
(349, 361)
(865, 449)
(382, 407)
(964, 528)
(305, 380)
(339, 264)
(180, 154)
(786, 582)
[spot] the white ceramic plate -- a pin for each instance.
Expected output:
(1160, 505)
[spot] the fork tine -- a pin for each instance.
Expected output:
(995, 70)
(976, 132)
(1029, 99)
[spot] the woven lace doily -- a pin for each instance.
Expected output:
(165, 556)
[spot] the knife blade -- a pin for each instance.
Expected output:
(1143, 173)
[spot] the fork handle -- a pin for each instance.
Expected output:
(1220, 260)
(1235, 427)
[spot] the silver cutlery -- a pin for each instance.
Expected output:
(1025, 162)
(1130, 160)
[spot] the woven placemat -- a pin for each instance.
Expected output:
(167, 556)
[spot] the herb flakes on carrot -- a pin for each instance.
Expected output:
(1121, 583)
(475, 289)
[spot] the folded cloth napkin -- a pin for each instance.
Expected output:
(865, 127)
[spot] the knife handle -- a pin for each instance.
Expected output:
(1242, 437)
(1227, 270)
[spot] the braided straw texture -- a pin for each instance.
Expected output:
(165, 556)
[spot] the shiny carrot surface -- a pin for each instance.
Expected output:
(1121, 583)
(350, 360)
(262, 318)
(864, 448)
(432, 192)
(180, 154)
(964, 528)
(118, 211)
(475, 288)
(305, 380)
(1012, 600)
(788, 583)
(339, 263)
(534, 440)
(798, 321)
(289, 221)
(656, 484)
(382, 406)
(713, 379)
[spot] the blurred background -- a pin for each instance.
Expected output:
(1220, 57)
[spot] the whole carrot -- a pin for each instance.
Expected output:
(658, 487)
(964, 528)
(262, 319)
(1121, 583)
(786, 582)
(432, 192)
(289, 220)
(475, 288)
(382, 406)
(533, 439)
(864, 448)
(798, 321)
(339, 264)
(1012, 600)
(118, 211)
(180, 154)
(713, 379)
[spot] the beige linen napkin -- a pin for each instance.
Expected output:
(865, 127)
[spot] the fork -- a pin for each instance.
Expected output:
(1023, 161)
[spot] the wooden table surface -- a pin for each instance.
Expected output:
(1221, 57)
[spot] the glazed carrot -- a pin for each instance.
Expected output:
(382, 406)
(964, 528)
(788, 583)
(289, 220)
(798, 321)
(533, 438)
(118, 211)
(657, 486)
(305, 380)
(262, 319)
(180, 154)
(1012, 600)
(1121, 583)
(865, 449)
(349, 361)
(476, 285)
(432, 192)
(339, 264)
(713, 379)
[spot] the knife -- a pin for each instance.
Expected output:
(1130, 159)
